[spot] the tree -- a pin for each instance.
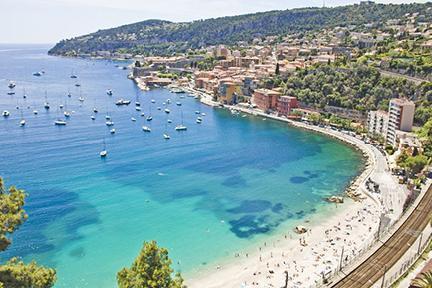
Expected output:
(14, 273)
(423, 281)
(151, 269)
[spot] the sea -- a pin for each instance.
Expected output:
(218, 188)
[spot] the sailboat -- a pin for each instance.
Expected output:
(181, 127)
(104, 152)
(109, 92)
(6, 113)
(22, 122)
(11, 84)
(150, 118)
(165, 135)
(112, 131)
(59, 122)
(46, 104)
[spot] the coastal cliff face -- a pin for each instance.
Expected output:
(164, 37)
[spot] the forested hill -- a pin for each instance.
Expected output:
(163, 37)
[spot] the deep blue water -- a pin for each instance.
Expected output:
(221, 186)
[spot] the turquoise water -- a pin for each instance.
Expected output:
(219, 187)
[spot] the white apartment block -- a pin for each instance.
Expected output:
(378, 123)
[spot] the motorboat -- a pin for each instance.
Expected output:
(59, 122)
(112, 131)
(11, 84)
(109, 92)
(109, 123)
(149, 118)
(122, 102)
(146, 129)
(6, 113)
(166, 136)
(133, 119)
(180, 128)
(167, 111)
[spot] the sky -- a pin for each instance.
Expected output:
(48, 21)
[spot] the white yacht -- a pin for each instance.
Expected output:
(67, 114)
(6, 113)
(166, 136)
(35, 112)
(112, 131)
(138, 108)
(153, 101)
(133, 119)
(95, 110)
(22, 123)
(104, 152)
(93, 117)
(59, 122)
(149, 118)
(167, 111)
(146, 129)
(109, 123)
(180, 127)
(81, 99)
(109, 92)
(178, 103)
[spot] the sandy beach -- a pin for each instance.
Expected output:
(306, 260)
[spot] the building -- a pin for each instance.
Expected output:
(265, 99)
(401, 117)
(285, 104)
(377, 122)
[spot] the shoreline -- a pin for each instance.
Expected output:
(305, 260)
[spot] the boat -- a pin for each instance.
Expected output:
(93, 117)
(198, 121)
(11, 93)
(59, 122)
(6, 113)
(95, 110)
(69, 94)
(122, 102)
(11, 84)
(81, 99)
(137, 103)
(166, 136)
(149, 118)
(168, 101)
(169, 121)
(167, 111)
(61, 106)
(146, 129)
(177, 90)
(107, 117)
(67, 114)
(199, 118)
(22, 123)
(77, 85)
(138, 108)
(178, 103)
(197, 112)
(38, 74)
(109, 123)
(109, 92)
(159, 108)
(112, 131)
(46, 104)
(142, 114)
(35, 112)
(73, 76)
(153, 101)
(180, 128)
(203, 114)
(104, 152)
(133, 119)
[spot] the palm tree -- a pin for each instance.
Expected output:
(423, 281)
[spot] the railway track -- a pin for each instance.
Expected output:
(375, 266)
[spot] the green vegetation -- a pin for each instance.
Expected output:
(413, 164)
(164, 37)
(151, 269)
(356, 87)
(423, 281)
(14, 273)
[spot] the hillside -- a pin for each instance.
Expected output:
(164, 37)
